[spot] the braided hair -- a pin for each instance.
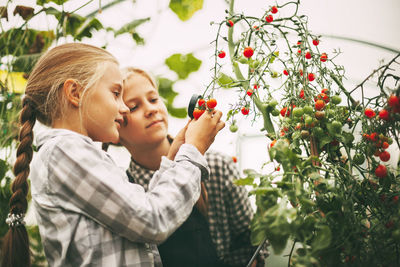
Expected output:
(45, 101)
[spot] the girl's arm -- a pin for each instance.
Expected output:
(85, 180)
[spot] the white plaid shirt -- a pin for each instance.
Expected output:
(90, 215)
(229, 212)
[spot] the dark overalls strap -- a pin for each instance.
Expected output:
(190, 245)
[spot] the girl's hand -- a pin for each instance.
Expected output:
(176, 144)
(201, 132)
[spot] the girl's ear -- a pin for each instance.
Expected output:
(73, 92)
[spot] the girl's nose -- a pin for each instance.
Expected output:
(123, 109)
(150, 109)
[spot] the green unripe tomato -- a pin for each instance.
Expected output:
(358, 159)
(298, 112)
(318, 131)
(337, 126)
(233, 128)
(336, 99)
(255, 64)
(390, 141)
(288, 120)
(275, 112)
(274, 74)
(308, 109)
(243, 60)
(308, 120)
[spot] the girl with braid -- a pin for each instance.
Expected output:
(87, 211)
(217, 232)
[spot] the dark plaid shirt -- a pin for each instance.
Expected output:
(229, 212)
(90, 215)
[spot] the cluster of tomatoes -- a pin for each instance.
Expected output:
(203, 105)
(378, 142)
(307, 117)
(387, 113)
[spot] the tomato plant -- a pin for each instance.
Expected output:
(332, 148)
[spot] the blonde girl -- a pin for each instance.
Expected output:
(87, 211)
(217, 232)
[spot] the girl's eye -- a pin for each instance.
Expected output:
(132, 108)
(154, 100)
(117, 93)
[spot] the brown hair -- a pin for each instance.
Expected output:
(202, 203)
(45, 102)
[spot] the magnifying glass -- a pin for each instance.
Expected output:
(192, 104)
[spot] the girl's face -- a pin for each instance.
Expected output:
(103, 111)
(147, 120)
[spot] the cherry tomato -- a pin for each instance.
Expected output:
(298, 112)
(311, 77)
(381, 171)
(336, 99)
(384, 114)
(221, 54)
(323, 57)
(233, 128)
(197, 113)
(319, 104)
(248, 52)
(269, 18)
(211, 103)
(201, 102)
(369, 113)
(319, 115)
(358, 159)
(245, 110)
(384, 156)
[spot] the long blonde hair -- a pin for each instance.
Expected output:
(44, 101)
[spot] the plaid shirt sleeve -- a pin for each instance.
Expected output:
(240, 214)
(85, 180)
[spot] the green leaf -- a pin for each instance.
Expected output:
(226, 81)
(165, 89)
(138, 39)
(25, 63)
(322, 238)
(58, 2)
(185, 9)
(4, 167)
(131, 26)
(326, 139)
(244, 181)
(183, 65)
(86, 28)
(176, 112)
(53, 11)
